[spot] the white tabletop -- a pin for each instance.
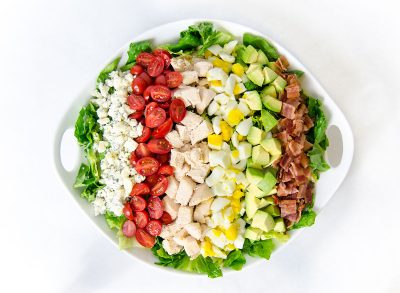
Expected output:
(50, 48)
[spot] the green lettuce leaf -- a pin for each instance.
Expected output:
(317, 160)
(298, 73)
(113, 65)
(281, 237)
(307, 219)
(235, 260)
(260, 248)
(262, 44)
(86, 126)
(113, 221)
(251, 86)
(134, 50)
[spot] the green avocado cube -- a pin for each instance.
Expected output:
(268, 182)
(259, 155)
(271, 103)
(279, 84)
(267, 120)
(269, 90)
(249, 55)
(262, 58)
(255, 135)
(269, 75)
(280, 225)
(252, 203)
(263, 221)
(273, 210)
(272, 145)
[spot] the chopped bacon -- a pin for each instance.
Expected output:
(284, 189)
(292, 218)
(293, 91)
(288, 110)
(284, 137)
(307, 145)
(304, 160)
(288, 207)
(298, 127)
(294, 148)
(285, 162)
(308, 123)
(282, 63)
(301, 111)
(296, 170)
(285, 124)
(308, 194)
(284, 176)
(292, 79)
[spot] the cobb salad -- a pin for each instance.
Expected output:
(204, 151)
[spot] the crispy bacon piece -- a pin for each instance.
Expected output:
(288, 207)
(293, 91)
(288, 110)
(282, 63)
(294, 148)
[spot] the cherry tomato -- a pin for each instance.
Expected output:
(149, 108)
(154, 227)
(144, 59)
(165, 55)
(147, 166)
(138, 203)
(160, 93)
(156, 66)
(174, 79)
(163, 159)
(160, 80)
(137, 115)
(177, 110)
(152, 180)
(166, 218)
(160, 187)
(159, 146)
(129, 228)
(163, 129)
(136, 69)
(164, 105)
(127, 211)
(166, 170)
(146, 78)
(144, 238)
(142, 151)
(140, 189)
(136, 102)
(145, 135)
(141, 219)
(156, 117)
(146, 93)
(138, 85)
(133, 159)
(155, 207)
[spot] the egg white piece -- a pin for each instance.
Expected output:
(244, 149)
(219, 203)
(216, 124)
(244, 126)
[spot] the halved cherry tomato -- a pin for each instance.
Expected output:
(145, 135)
(138, 85)
(163, 159)
(165, 55)
(166, 218)
(154, 227)
(161, 80)
(177, 110)
(160, 187)
(137, 115)
(152, 180)
(156, 117)
(159, 146)
(160, 93)
(144, 238)
(140, 189)
(164, 105)
(174, 79)
(163, 129)
(136, 69)
(142, 150)
(156, 66)
(166, 170)
(133, 159)
(146, 93)
(129, 229)
(127, 211)
(138, 203)
(145, 77)
(141, 219)
(155, 207)
(136, 102)
(149, 108)
(147, 166)
(144, 58)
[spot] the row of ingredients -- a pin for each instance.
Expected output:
(203, 151)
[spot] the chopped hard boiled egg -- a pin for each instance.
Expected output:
(234, 117)
(215, 141)
(244, 149)
(243, 127)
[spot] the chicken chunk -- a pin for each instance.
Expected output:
(202, 211)
(204, 151)
(200, 132)
(200, 194)
(172, 187)
(192, 247)
(202, 67)
(185, 190)
(181, 64)
(180, 236)
(181, 173)
(199, 172)
(171, 207)
(185, 216)
(177, 159)
(171, 247)
(190, 95)
(184, 132)
(206, 96)
(192, 120)
(174, 139)
(194, 230)
(190, 77)
(168, 231)
(193, 156)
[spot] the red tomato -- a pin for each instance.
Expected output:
(165, 55)
(144, 238)
(159, 146)
(156, 117)
(145, 135)
(141, 219)
(146, 93)
(142, 151)
(160, 187)
(163, 129)
(164, 105)
(137, 115)
(129, 229)
(166, 218)
(144, 58)
(174, 79)
(154, 227)
(138, 85)
(136, 69)
(147, 166)
(138, 203)
(149, 108)
(152, 180)
(163, 159)
(136, 102)
(140, 189)
(145, 77)
(177, 110)
(155, 207)
(156, 66)
(166, 170)
(161, 80)
(127, 211)
(160, 93)
(133, 159)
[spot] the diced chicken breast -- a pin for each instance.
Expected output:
(200, 194)
(204, 230)
(168, 231)
(202, 211)
(199, 172)
(191, 247)
(180, 236)
(202, 67)
(172, 187)
(192, 120)
(174, 139)
(206, 96)
(190, 95)
(177, 159)
(202, 82)
(193, 156)
(181, 173)
(171, 247)
(204, 151)
(200, 132)
(190, 77)
(194, 230)
(180, 64)
(184, 132)
(171, 207)
(185, 190)
(185, 216)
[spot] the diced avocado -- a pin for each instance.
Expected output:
(255, 75)
(273, 191)
(257, 192)
(247, 219)
(262, 58)
(269, 90)
(264, 203)
(279, 84)
(267, 120)
(273, 66)
(252, 203)
(269, 75)
(253, 100)
(263, 221)
(269, 199)
(279, 225)
(251, 164)
(268, 182)
(272, 145)
(254, 175)
(259, 155)
(271, 103)
(255, 135)
(281, 237)
(273, 159)
(253, 234)
(252, 67)
(273, 210)
(249, 55)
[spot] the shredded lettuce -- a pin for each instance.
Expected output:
(307, 219)
(262, 44)
(113, 65)
(260, 248)
(235, 260)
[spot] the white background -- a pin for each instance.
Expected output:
(49, 49)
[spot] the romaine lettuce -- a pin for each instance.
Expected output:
(235, 260)
(113, 65)
(260, 248)
(262, 44)
(307, 219)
